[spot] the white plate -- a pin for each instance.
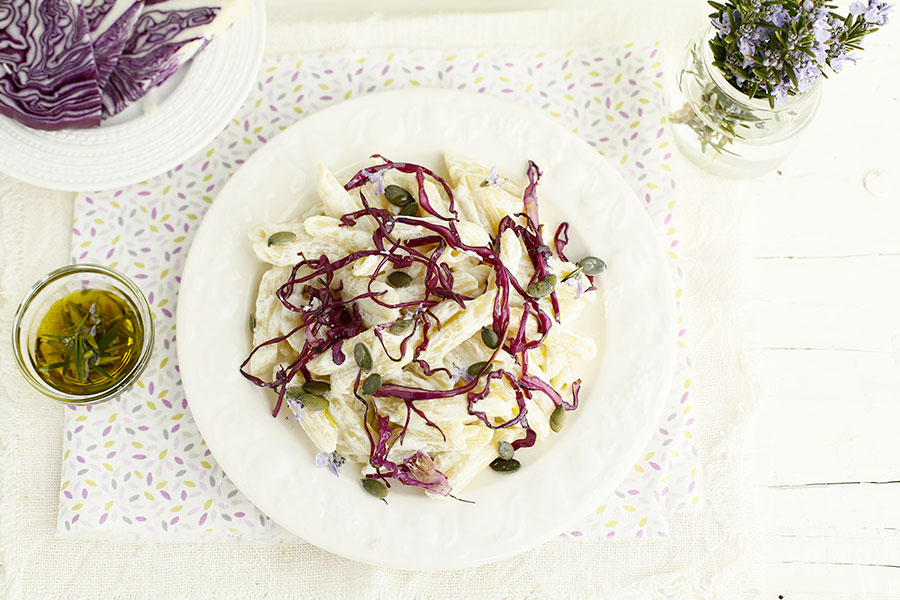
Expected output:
(171, 124)
(561, 480)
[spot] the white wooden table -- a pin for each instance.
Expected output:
(821, 304)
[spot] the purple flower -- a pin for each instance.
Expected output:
(378, 179)
(807, 76)
(837, 62)
(746, 46)
(822, 27)
(295, 407)
(778, 16)
(779, 93)
(331, 460)
(724, 27)
(493, 176)
(875, 13)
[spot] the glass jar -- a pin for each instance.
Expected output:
(62, 283)
(725, 131)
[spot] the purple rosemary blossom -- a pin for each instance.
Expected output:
(332, 460)
(723, 26)
(822, 27)
(295, 407)
(459, 373)
(378, 179)
(778, 15)
(807, 76)
(875, 13)
(493, 178)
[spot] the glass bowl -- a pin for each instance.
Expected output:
(52, 288)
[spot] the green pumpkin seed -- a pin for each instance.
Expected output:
(503, 465)
(397, 196)
(362, 356)
(252, 322)
(293, 393)
(313, 402)
(505, 450)
(475, 369)
(484, 183)
(592, 265)
(410, 210)
(372, 384)
(399, 279)
(282, 237)
(558, 419)
(318, 388)
(542, 288)
(400, 327)
(374, 487)
(490, 338)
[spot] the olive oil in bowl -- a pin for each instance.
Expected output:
(83, 334)
(87, 341)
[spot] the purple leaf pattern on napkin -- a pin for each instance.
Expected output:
(137, 467)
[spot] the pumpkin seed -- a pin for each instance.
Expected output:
(293, 393)
(374, 487)
(399, 279)
(503, 465)
(490, 338)
(372, 384)
(282, 237)
(542, 288)
(400, 327)
(558, 419)
(313, 402)
(252, 322)
(484, 183)
(362, 356)
(475, 369)
(397, 196)
(318, 388)
(592, 265)
(410, 210)
(505, 450)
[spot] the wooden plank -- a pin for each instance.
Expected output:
(827, 416)
(802, 581)
(862, 511)
(861, 282)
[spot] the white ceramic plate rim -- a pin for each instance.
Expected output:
(562, 479)
(116, 154)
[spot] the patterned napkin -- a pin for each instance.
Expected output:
(137, 467)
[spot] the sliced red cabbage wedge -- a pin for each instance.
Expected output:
(111, 23)
(168, 33)
(48, 78)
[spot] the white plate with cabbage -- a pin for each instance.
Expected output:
(97, 94)
(425, 328)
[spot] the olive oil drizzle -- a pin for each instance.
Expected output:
(87, 341)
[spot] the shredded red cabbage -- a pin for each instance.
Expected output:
(328, 321)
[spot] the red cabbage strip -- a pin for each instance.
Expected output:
(526, 442)
(529, 197)
(362, 177)
(416, 471)
(429, 422)
(473, 398)
(561, 240)
(534, 383)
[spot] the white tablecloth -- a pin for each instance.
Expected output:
(710, 552)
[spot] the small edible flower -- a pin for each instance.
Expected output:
(332, 460)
